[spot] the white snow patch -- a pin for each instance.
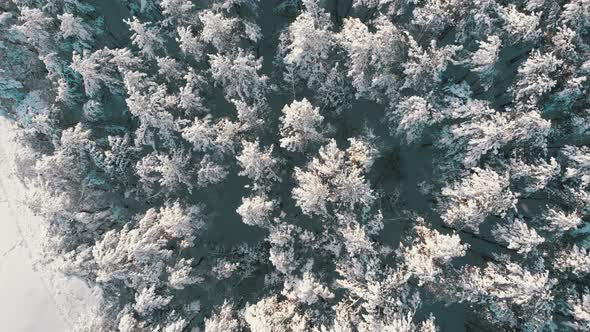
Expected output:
(33, 296)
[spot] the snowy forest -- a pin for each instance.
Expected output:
(309, 165)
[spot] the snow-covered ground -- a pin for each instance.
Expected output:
(33, 297)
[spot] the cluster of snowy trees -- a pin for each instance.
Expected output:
(309, 165)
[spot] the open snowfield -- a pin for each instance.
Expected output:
(32, 297)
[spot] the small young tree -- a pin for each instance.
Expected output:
(223, 319)
(96, 71)
(169, 68)
(466, 204)
(424, 68)
(335, 177)
(238, 75)
(251, 117)
(301, 125)
(36, 28)
(201, 134)
(306, 44)
(210, 172)
(577, 160)
(537, 76)
(533, 177)
(412, 115)
(171, 172)
(218, 30)
(188, 96)
(575, 13)
(189, 43)
(518, 236)
(151, 104)
(180, 275)
(574, 260)
(519, 26)
(510, 293)
(484, 59)
(74, 27)
(258, 164)
(256, 210)
(312, 194)
(177, 11)
(307, 290)
(374, 58)
(579, 308)
(271, 314)
(430, 251)
(147, 38)
(561, 222)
